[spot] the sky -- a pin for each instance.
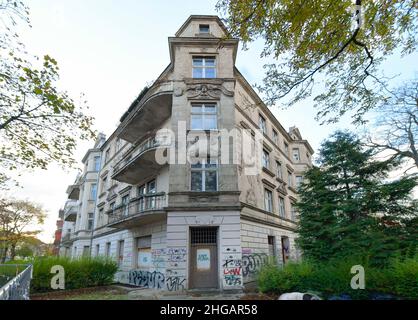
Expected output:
(109, 50)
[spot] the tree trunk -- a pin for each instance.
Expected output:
(4, 254)
(13, 251)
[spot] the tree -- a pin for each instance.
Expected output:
(349, 207)
(39, 123)
(17, 218)
(337, 43)
(397, 124)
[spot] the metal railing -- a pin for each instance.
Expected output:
(142, 204)
(18, 287)
(135, 151)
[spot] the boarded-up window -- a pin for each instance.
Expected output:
(144, 252)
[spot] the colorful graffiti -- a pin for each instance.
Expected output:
(232, 270)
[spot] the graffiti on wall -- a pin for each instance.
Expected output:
(176, 255)
(232, 269)
(140, 278)
(175, 282)
(252, 262)
(158, 258)
(157, 280)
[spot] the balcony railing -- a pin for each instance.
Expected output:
(136, 151)
(66, 238)
(70, 212)
(143, 204)
(139, 161)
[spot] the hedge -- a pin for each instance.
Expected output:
(399, 279)
(79, 273)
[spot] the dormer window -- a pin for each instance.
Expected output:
(203, 28)
(204, 67)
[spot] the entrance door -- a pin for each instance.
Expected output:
(203, 258)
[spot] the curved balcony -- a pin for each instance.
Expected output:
(149, 113)
(67, 239)
(139, 162)
(145, 209)
(70, 212)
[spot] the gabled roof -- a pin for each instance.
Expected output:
(202, 17)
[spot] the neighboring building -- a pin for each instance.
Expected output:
(80, 207)
(192, 225)
(58, 233)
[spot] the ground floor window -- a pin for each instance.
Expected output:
(107, 253)
(86, 251)
(272, 246)
(121, 248)
(143, 252)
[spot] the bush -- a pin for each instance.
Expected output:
(333, 278)
(79, 273)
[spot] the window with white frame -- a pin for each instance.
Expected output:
(275, 137)
(107, 251)
(103, 185)
(125, 205)
(282, 208)
(286, 148)
(204, 117)
(266, 159)
(289, 179)
(204, 175)
(268, 200)
(93, 191)
(296, 154)
(204, 28)
(293, 211)
(299, 180)
(279, 170)
(204, 67)
(90, 221)
(97, 163)
(262, 124)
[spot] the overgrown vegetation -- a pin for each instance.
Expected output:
(351, 206)
(333, 278)
(79, 273)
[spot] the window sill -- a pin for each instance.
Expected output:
(268, 171)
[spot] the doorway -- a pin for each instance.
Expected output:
(203, 258)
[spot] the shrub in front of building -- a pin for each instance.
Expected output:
(332, 279)
(78, 273)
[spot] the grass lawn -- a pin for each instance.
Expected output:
(94, 293)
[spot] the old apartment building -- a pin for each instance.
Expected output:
(182, 224)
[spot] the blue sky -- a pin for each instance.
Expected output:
(110, 50)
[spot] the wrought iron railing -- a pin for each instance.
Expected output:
(135, 151)
(17, 286)
(142, 204)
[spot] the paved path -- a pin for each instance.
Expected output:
(151, 294)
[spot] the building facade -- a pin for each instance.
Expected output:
(196, 187)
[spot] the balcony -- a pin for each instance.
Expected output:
(139, 162)
(148, 113)
(146, 209)
(67, 239)
(70, 212)
(73, 191)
